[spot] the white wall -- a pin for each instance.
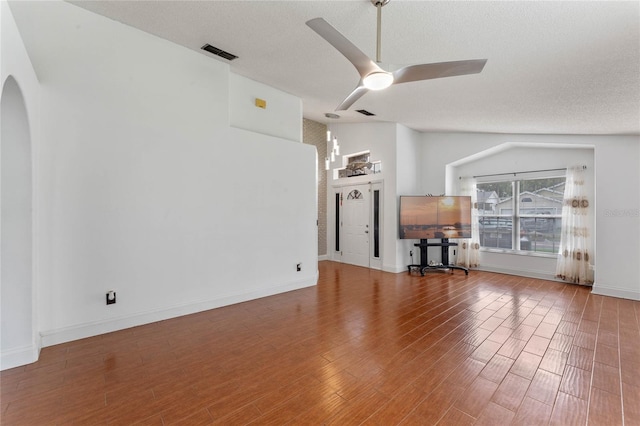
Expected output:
(147, 189)
(408, 169)
(510, 157)
(617, 218)
(282, 116)
(18, 261)
(616, 171)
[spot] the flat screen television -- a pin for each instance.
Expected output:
(426, 217)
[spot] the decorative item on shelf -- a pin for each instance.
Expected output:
(359, 164)
(358, 168)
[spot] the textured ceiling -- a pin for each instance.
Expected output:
(553, 67)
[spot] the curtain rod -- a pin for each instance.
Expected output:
(528, 171)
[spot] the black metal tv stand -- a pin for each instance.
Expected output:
(424, 263)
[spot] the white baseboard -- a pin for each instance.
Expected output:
(19, 356)
(518, 272)
(615, 292)
(67, 334)
(394, 268)
(323, 257)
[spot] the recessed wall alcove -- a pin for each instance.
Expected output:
(527, 160)
(16, 256)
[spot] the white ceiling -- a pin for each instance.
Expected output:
(565, 67)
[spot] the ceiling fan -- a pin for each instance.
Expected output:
(372, 76)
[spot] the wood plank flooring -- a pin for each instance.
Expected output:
(363, 347)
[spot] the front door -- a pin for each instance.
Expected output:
(355, 227)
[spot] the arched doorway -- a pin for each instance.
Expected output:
(16, 254)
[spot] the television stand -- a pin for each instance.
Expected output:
(424, 263)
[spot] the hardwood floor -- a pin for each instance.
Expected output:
(363, 347)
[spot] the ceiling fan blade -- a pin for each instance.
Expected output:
(354, 96)
(362, 62)
(437, 70)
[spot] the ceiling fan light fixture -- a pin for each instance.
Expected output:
(378, 80)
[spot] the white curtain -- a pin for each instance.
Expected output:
(469, 249)
(576, 252)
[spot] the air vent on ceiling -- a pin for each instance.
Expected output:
(219, 52)
(365, 112)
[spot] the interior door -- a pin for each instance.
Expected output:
(355, 227)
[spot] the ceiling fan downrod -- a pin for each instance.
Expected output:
(378, 4)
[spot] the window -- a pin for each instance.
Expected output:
(376, 223)
(354, 195)
(529, 221)
(337, 216)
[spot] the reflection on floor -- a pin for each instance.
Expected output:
(363, 346)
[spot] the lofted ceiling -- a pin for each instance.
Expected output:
(567, 67)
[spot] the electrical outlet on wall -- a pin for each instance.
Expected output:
(299, 267)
